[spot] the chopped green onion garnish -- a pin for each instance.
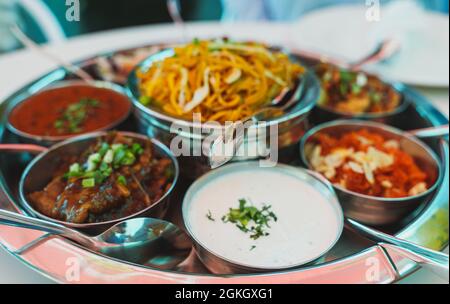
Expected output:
(109, 157)
(104, 148)
(88, 183)
(75, 168)
(145, 100)
(137, 148)
(118, 156)
(128, 159)
(92, 162)
(96, 157)
(116, 147)
(99, 166)
(356, 89)
(122, 180)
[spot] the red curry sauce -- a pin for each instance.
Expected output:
(40, 114)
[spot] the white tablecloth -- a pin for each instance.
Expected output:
(19, 68)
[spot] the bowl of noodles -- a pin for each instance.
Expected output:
(219, 82)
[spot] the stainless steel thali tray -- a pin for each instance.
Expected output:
(352, 260)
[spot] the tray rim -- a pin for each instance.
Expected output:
(421, 104)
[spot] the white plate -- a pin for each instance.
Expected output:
(344, 31)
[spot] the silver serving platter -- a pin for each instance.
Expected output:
(353, 260)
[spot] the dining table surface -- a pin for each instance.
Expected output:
(23, 66)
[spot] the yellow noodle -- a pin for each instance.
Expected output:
(242, 78)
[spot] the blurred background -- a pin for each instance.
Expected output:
(45, 20)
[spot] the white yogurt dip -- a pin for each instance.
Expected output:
(309, 218)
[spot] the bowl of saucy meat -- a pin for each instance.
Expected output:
(94, 181)
(68, 109)
(349, 94)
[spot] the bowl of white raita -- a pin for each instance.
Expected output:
(244, 218)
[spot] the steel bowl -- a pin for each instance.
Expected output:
(40, 171)
(48, 141)
(322, 113)
(222, 265)
(373, 210)
(291, 126)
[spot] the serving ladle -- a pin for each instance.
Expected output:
(234, 136)
(385, 50)
(435, 261)
(144, 241)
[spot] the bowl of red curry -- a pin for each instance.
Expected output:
(67, 109)
(381, 174)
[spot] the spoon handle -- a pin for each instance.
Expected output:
(385, 50)
(33, 149)
(174, 8)
(436, 261)
(27, 42)
(439, 131)
(17, 220)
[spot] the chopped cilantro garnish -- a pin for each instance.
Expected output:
(210, 217)
(73, 116)
(250, 219)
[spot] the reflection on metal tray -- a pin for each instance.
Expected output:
(350, 261)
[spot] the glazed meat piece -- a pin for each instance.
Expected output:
(114, 178)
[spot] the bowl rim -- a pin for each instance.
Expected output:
(333, 201)
(389, 129)
(131, 88)
(164, 149)
(98, 84)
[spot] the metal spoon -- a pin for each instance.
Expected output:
(174, 8)
(278, 106)
(384, 50)
(144, 241)
(435, 261)
(440, 131)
